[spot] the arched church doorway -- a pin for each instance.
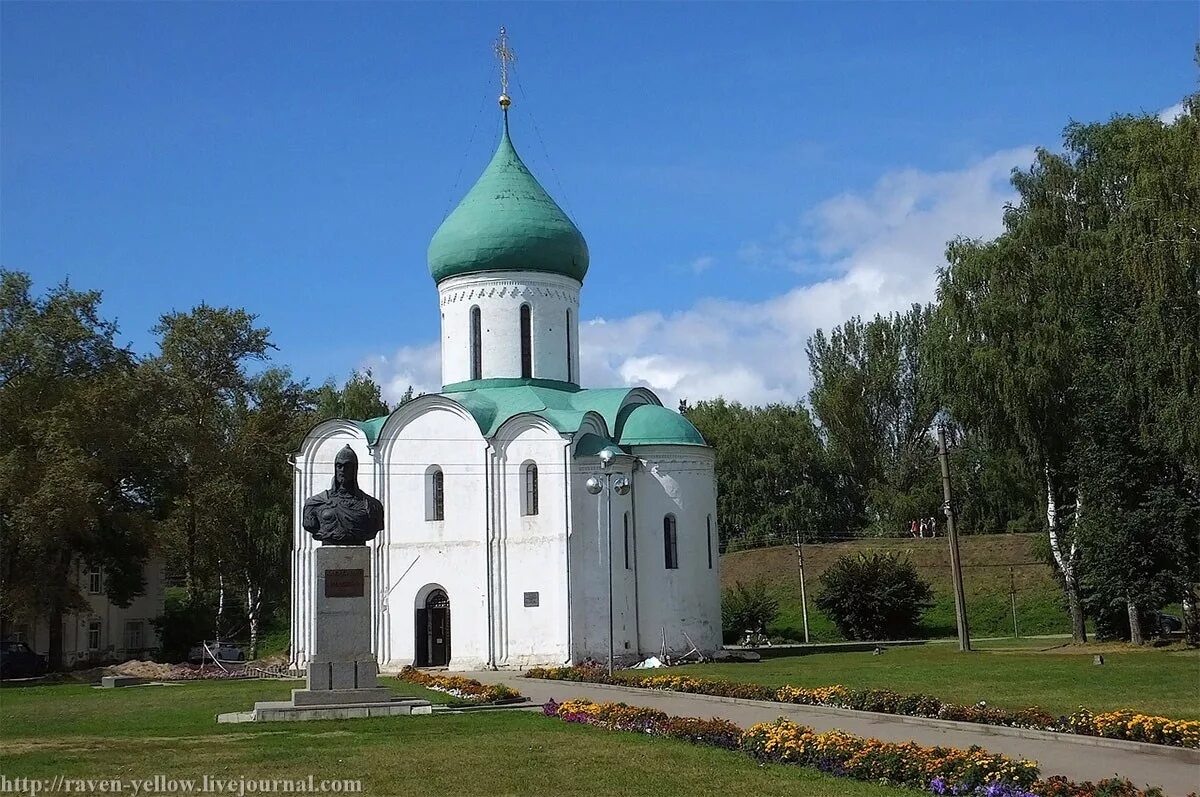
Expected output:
(433, 630)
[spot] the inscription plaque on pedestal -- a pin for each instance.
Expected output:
(344, 583)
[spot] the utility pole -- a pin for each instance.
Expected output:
(1012, 596)
(960, 601)
(803, 595)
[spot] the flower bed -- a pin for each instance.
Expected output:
(467, 689)
(620, 717)
(906, 764)
(1127, 725)
(939, 770)
(1138, 727)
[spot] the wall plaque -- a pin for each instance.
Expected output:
(344, 583)
(531, 599)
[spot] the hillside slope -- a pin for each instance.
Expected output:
(988, 561)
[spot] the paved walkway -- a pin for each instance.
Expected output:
(1078, 758)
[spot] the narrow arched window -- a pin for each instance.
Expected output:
(526, 344)
(531, 489)
(476, 344)
(626, 540)
(708, 528)
(435, 493)
(570, 354)
(670, 546)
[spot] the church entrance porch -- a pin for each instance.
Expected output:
(433, 630)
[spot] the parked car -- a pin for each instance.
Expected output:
(17, 660)
(224, 652)
(1169, 624)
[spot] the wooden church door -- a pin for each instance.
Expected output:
(433, 631)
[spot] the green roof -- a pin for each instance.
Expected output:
(563, 408)
(507, 222)
(650, 424)
(491, 402)
(371, 428)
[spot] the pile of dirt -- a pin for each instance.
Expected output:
(150, 671)
(141, 669)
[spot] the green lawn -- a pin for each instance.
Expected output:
(140, 732)
(1013, 674)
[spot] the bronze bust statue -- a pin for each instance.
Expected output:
(343, 514)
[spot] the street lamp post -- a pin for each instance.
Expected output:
(612, 482)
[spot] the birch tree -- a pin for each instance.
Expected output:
(1081, 318)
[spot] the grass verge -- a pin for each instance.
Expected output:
(139, 732)
(1150, 681)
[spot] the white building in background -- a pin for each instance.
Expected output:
(495, 553)
(102, 631)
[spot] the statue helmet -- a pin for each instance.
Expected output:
(350, 478)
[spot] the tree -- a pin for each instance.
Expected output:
(75, 486)
(1140, 531)
(772, 482)
(994, 487)
(264, 431)
(1139, 447)
(876, 596)
(1092, 283)
(872, 397)
(201, 375)
(359, 399)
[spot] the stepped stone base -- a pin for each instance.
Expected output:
(286, 710)
(336, 697)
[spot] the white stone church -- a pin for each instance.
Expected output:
(495, 552)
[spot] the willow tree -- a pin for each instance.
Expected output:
(1094, 277)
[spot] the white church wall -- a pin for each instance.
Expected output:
(424, 553)
(531, 549)
(499, 297)
(314, 473)
(677, 480)
(590, 561)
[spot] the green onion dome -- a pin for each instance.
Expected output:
(650, 424)
(507, 222)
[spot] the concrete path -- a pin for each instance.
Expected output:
(1076, 757)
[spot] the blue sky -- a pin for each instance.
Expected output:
(743, 173)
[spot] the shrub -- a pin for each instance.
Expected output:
(183, 623)
(747, 608)
(879, 596)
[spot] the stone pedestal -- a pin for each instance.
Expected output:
(342, 670)
(341, 666)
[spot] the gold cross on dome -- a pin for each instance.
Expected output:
(506, 57)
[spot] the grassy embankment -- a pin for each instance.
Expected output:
(139, 732)
(986, 581)
(1046, 673)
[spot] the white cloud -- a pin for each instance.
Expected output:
(1169, 115)
(876, 252)
(418, 366)
(702, 264)
(881, 250)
